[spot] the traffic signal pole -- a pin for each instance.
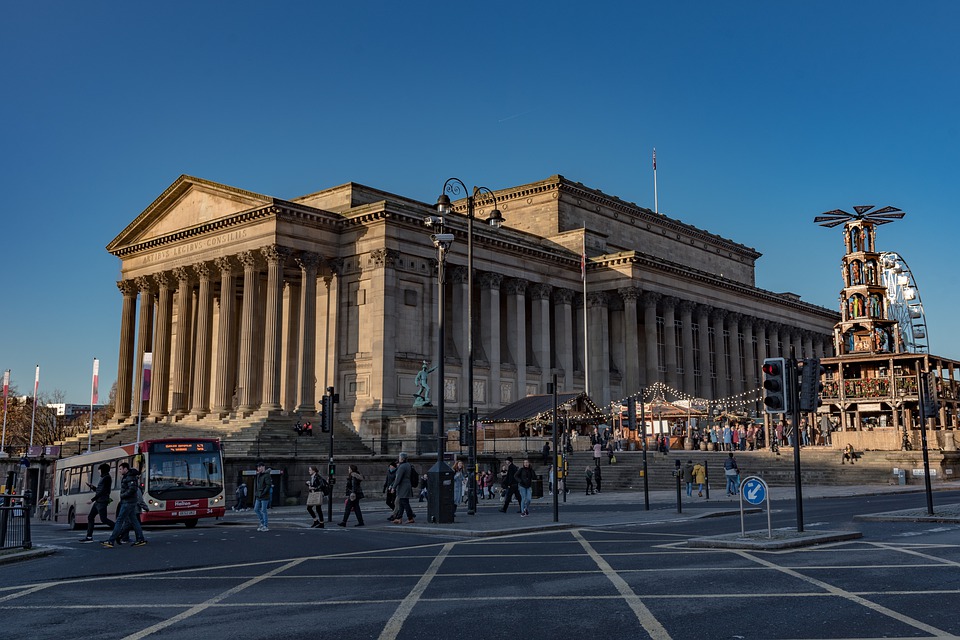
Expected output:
(791, 375)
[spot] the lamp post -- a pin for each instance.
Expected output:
(495, 219)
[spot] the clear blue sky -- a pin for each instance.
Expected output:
(764, 114)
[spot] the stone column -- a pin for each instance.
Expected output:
(160, 390)
(307, 365)
(490, 331)
(202, 350)
(706, 373)
(736, 366)
(579, 306)
(650, 300)
(517, 332)
(686, 335)
(773, 333)
(599, 347)
(226, 373)
(248, 326)
(276, 257)
(717, 317)
(750, 360)
(796, 341)
(460, 320)
(670, 340)
(563, 321)
(808, 344)
(182, 362)
(540, 331)
(144, 336)
(631, 374)
(760, 328)
(128, 324)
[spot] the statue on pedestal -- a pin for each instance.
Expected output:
(422, 397)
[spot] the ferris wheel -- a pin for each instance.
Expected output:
(903, 303)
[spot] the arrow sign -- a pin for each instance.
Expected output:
(754, 490)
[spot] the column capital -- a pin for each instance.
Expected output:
(650, 298)
(182, 274)
(224, 263)
(380, 258)
(629, 294)
(516, 286)
(127, 287)
(596, 299)
(669, 301)
(164, 279)
(703, 310)
(490, 280)
(563, 296)
(144, 283)
(248, 259)
(307, 260)
(275, 254)
(687, 306)
(718, 315)
(336, 266)
(457, 274)
(614, 301)
(733, 318)
(540, 291)
(204, 270)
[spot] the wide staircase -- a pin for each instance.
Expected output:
(267, 436)
(818, 466)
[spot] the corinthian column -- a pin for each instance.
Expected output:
(650, 300)
(706, 371)
(720, 352)
(631, 378)
(670, 340)
(202, 353)
(145, 335)
(686, 335)
(248, 327)
(307, 365)
(749, 353)
(517, 331)
(490, 331)
(599, 347)
(736, 370)
(563, 320)
(540, 329)
(182, 367)
(276, 256)
(128, 323)
(226, 339)
(160, 390)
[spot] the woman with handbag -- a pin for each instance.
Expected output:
(315, 485)
(354, 495)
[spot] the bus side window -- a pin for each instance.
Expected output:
(65, 482)
(74, 481)
(85, 479)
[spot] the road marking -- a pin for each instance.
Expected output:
(395, 623)
(938, 561)
(829, 588)
(212, 601)
(649, 622)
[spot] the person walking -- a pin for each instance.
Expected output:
(525, 477)
(354, 495)
(101, 498)
(589, 479)
(262, 489)
(389, 491)
(731, 471)
(315, 485)
(509, 483)
(241, 495)
(127, 517)
(459, 479)
(404, 487)
(700, 477)
(688, 477)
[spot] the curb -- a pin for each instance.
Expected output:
(26, 554)
(758, 540)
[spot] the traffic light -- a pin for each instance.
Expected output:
(775, 397)
(928, 391)
(810, 385)
(464, 429)
(631, 414)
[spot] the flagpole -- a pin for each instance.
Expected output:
(93, 401)
(656, 204)
(6, 389)
(33, 417)
(586, 341)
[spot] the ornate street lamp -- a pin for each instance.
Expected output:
(455, 186)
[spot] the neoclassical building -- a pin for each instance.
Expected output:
(252, 305)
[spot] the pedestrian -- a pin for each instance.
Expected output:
(316, 486)
(262, 490)
(403, 485)
(700, 477)
(389, 491)
(241, 495)
(459, 476)
(101, 498)
(308, 429)
(598, 477)
(509, 484)
(609, 452)
(488, 484)
(525, 476)
(688, 477)
(546, 453)
(354, 494)
(589, 477)
(140, 507)
(596, 451)
(731, 471)
(127, 516)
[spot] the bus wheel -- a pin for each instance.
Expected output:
(72, 519)
(191, 523)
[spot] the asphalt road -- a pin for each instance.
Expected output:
(901, 580)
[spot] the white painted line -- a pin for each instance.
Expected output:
(395, 623)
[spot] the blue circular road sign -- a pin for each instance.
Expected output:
(754, 490)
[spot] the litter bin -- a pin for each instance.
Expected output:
(440, 506)
(538, 488)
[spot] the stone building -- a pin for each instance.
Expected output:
(252, 305)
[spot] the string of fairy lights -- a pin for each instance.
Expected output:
(660, 393)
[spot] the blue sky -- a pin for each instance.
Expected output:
(763, 115)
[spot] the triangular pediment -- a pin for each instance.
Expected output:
(187, 203)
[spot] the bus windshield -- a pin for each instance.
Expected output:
(181, 475)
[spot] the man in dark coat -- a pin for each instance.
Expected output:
(101, 498)
(127, 518)
(510, 485)
(404, 488)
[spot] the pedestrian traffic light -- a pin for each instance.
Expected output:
(464, 429)
(810, 385)
(775, 397)
(928, 391)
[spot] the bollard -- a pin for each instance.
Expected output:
(27, 510)
(679, 476)
(706, 478)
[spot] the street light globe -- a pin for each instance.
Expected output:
(443, 205)
(495, 219)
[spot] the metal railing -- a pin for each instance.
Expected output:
(15, 518)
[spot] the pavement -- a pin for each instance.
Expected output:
(609, 509)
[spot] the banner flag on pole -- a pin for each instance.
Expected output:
(94, 394)
(654, 158)
(6, 386)
(145, 381)
(36, 383)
